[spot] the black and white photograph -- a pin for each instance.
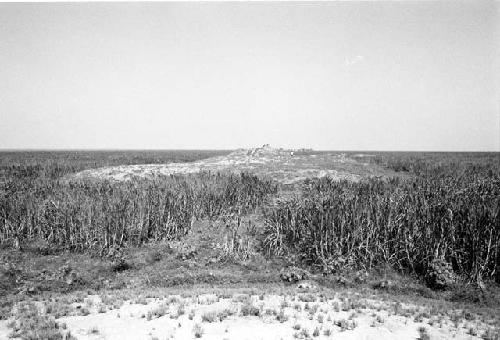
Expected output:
(250, 170)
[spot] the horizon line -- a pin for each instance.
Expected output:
(195, 149)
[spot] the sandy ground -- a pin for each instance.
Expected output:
(275, 163)
(280, 317)
(4, 330)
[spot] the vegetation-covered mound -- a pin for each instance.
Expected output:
(284, 166)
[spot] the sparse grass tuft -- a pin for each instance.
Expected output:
(307, 297)
(491, 334)
(29, 324)
(282, 317)
(93, 330)
(157, 312)
(209, 317)
(423, 334)
(248, 309)
(198, 331)
(316, 332)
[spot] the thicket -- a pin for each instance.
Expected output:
(38, 203)
(446, 211)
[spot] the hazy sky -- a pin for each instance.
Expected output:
(338, 75)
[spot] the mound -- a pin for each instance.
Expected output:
(285, 166)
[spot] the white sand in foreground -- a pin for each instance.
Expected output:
(131, 321)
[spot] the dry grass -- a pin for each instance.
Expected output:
(102, 217)
(431, 225)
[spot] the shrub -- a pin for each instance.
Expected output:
(281, 316)
(248, 309)
(491, 334)
(440, 274)
(316, 332)
(157, 312)
(423, 334)
(293, 274)
(307, 297)
(209, 317)
(29, 324)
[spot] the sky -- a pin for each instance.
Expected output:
(421, 76)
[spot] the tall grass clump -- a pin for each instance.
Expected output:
(440, 212)
(80, 215)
